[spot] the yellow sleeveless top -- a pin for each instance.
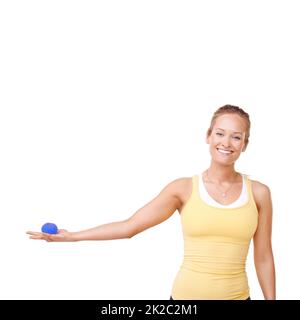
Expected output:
(216, 243)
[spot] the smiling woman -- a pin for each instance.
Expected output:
(221, 211)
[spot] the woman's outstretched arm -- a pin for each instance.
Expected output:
(156, 211)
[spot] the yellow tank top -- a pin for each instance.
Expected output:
(216, 243)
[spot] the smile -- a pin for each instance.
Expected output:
(226, 152)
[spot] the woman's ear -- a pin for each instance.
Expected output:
(244, 147)
(207, 139)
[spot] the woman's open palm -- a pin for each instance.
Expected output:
(62, 236)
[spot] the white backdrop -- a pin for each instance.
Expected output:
(105, 102)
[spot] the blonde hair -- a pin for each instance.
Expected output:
(231, 110)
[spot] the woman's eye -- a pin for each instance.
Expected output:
(221, 134)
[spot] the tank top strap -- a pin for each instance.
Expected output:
(249, 190)
(195, 190)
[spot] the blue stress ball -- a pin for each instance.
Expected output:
(49, 228)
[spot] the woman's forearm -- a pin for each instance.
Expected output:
(266, 276)
(109, 231)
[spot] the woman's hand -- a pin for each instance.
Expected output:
(62, 236)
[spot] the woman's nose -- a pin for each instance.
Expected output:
(226, 142)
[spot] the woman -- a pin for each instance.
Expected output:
(221, 211)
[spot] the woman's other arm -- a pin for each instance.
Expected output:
(263, 253)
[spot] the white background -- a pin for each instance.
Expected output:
(105, 102)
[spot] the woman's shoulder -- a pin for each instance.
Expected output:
(261, 192)
(182, 187)
(183, 182)
(259, 186)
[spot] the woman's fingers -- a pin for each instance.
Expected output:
(60, 236)
(33, 233)
(39, 236)
(35, 237)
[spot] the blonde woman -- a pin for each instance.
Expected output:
(221, 211)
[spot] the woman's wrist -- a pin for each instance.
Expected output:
(74, 236)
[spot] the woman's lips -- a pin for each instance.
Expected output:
(224, 152)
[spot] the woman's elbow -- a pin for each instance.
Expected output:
(263, 256)
(131, 229)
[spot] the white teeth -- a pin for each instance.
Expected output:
(224, 151)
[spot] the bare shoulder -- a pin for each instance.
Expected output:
(261, 192)
(182, 188)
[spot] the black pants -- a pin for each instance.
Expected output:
(246, 299)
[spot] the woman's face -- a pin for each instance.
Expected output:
(227, 138)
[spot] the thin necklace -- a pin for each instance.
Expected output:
(223, 193)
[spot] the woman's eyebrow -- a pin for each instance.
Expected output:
(233, 132)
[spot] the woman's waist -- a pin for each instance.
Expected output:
(215, 254)
(214, 266)
(210, 284)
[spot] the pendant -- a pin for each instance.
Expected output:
(223, 194)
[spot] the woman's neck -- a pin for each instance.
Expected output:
(221, 174)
